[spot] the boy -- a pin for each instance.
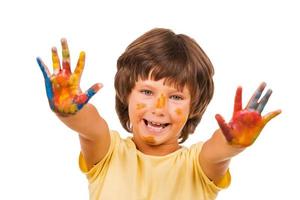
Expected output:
(163, 86)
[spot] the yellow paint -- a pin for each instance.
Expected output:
(73, 108)
(65, 53)
(55, 61)
(80, 64)
(140, 106)
(74, 80)
(65, 49)
(270, 116)
(60, 109)
(161, 101)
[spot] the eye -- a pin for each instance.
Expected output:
(176, 97)
(146, 92)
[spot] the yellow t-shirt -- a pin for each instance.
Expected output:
(126, 173)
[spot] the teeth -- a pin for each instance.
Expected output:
(155, 124)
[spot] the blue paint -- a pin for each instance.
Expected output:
(253, 104)
(89, 93)
(48, 83)
(264, 101)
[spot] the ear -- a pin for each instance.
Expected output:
(129, 126)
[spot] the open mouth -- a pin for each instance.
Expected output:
(156, 125)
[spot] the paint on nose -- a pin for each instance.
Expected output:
(161, 101)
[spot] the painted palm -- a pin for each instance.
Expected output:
(246, 124)
(63, 87)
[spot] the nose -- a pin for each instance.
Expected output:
(159, 105)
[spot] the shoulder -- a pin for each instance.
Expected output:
(194, 152)
(115, 141)
(195, 149)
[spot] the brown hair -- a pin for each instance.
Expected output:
(161, 53)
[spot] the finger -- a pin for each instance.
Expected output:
(270, 116)
(93, 90)
(48, 83)
(81, 100)
(224, 127)
(55, 61)
(66, 56)
(238, 100)
(80, 65)
(43, 68)
(264, 101)
(252, 105)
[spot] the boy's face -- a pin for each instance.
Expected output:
(157, 112)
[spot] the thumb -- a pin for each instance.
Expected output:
(270, 116)
(82, 99)
(93, 90)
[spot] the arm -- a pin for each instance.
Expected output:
(233, 137)
(70, 104)
(93, 133)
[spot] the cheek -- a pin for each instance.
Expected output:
(140, 106)
(178, 111)
(136, 111)
(180, 116)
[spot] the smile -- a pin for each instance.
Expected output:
(155, 125)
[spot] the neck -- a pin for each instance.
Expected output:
(156, 149)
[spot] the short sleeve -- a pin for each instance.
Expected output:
(226, 180)
(101, 166)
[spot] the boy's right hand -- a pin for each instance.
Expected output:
(63, 91)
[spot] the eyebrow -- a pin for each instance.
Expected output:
(145, 85)
(171, 89)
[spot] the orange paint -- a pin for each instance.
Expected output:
(140, 106)
(149, 139)
(55, 61)
(161, 101)
(178, 111)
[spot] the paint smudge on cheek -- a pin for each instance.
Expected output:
(183, 118)
(140, 106)
(178, 111)
(161, 101)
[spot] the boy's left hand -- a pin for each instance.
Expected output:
(246, 124)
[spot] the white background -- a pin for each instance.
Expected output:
(247, 41)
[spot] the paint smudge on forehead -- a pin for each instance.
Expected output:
(161, 101)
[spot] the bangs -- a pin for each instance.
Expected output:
(174, 78)
(174, 71)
